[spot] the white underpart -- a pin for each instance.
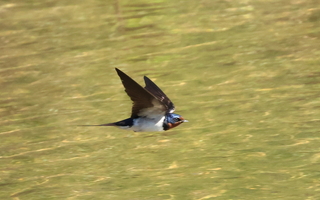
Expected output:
(144, 124)
(151, 119)
(148, 124)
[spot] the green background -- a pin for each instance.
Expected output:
(246, 74)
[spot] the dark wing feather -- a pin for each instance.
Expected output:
(141, 98)
(157, 92)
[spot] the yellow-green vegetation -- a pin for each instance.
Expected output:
(246, 74)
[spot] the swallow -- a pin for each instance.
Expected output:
(152, 110)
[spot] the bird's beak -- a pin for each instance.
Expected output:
(185, 120)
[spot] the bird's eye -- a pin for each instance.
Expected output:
(176, 119)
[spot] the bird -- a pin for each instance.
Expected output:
(151, 111)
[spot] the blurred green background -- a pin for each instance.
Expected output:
(246, 74)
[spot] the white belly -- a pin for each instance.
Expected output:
(147, 124)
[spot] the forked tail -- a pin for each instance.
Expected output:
(110, 124)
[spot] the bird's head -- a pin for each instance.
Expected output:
(172, 120)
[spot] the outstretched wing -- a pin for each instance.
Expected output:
(161, 96)
(144, 103)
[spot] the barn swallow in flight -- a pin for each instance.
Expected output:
(152, 110)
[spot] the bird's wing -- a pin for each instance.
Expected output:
(145, 104)
(161, 96)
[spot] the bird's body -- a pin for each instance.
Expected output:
(144, 124)
(152, 110)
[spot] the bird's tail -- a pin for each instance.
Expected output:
(126, 122)
(110, 124)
